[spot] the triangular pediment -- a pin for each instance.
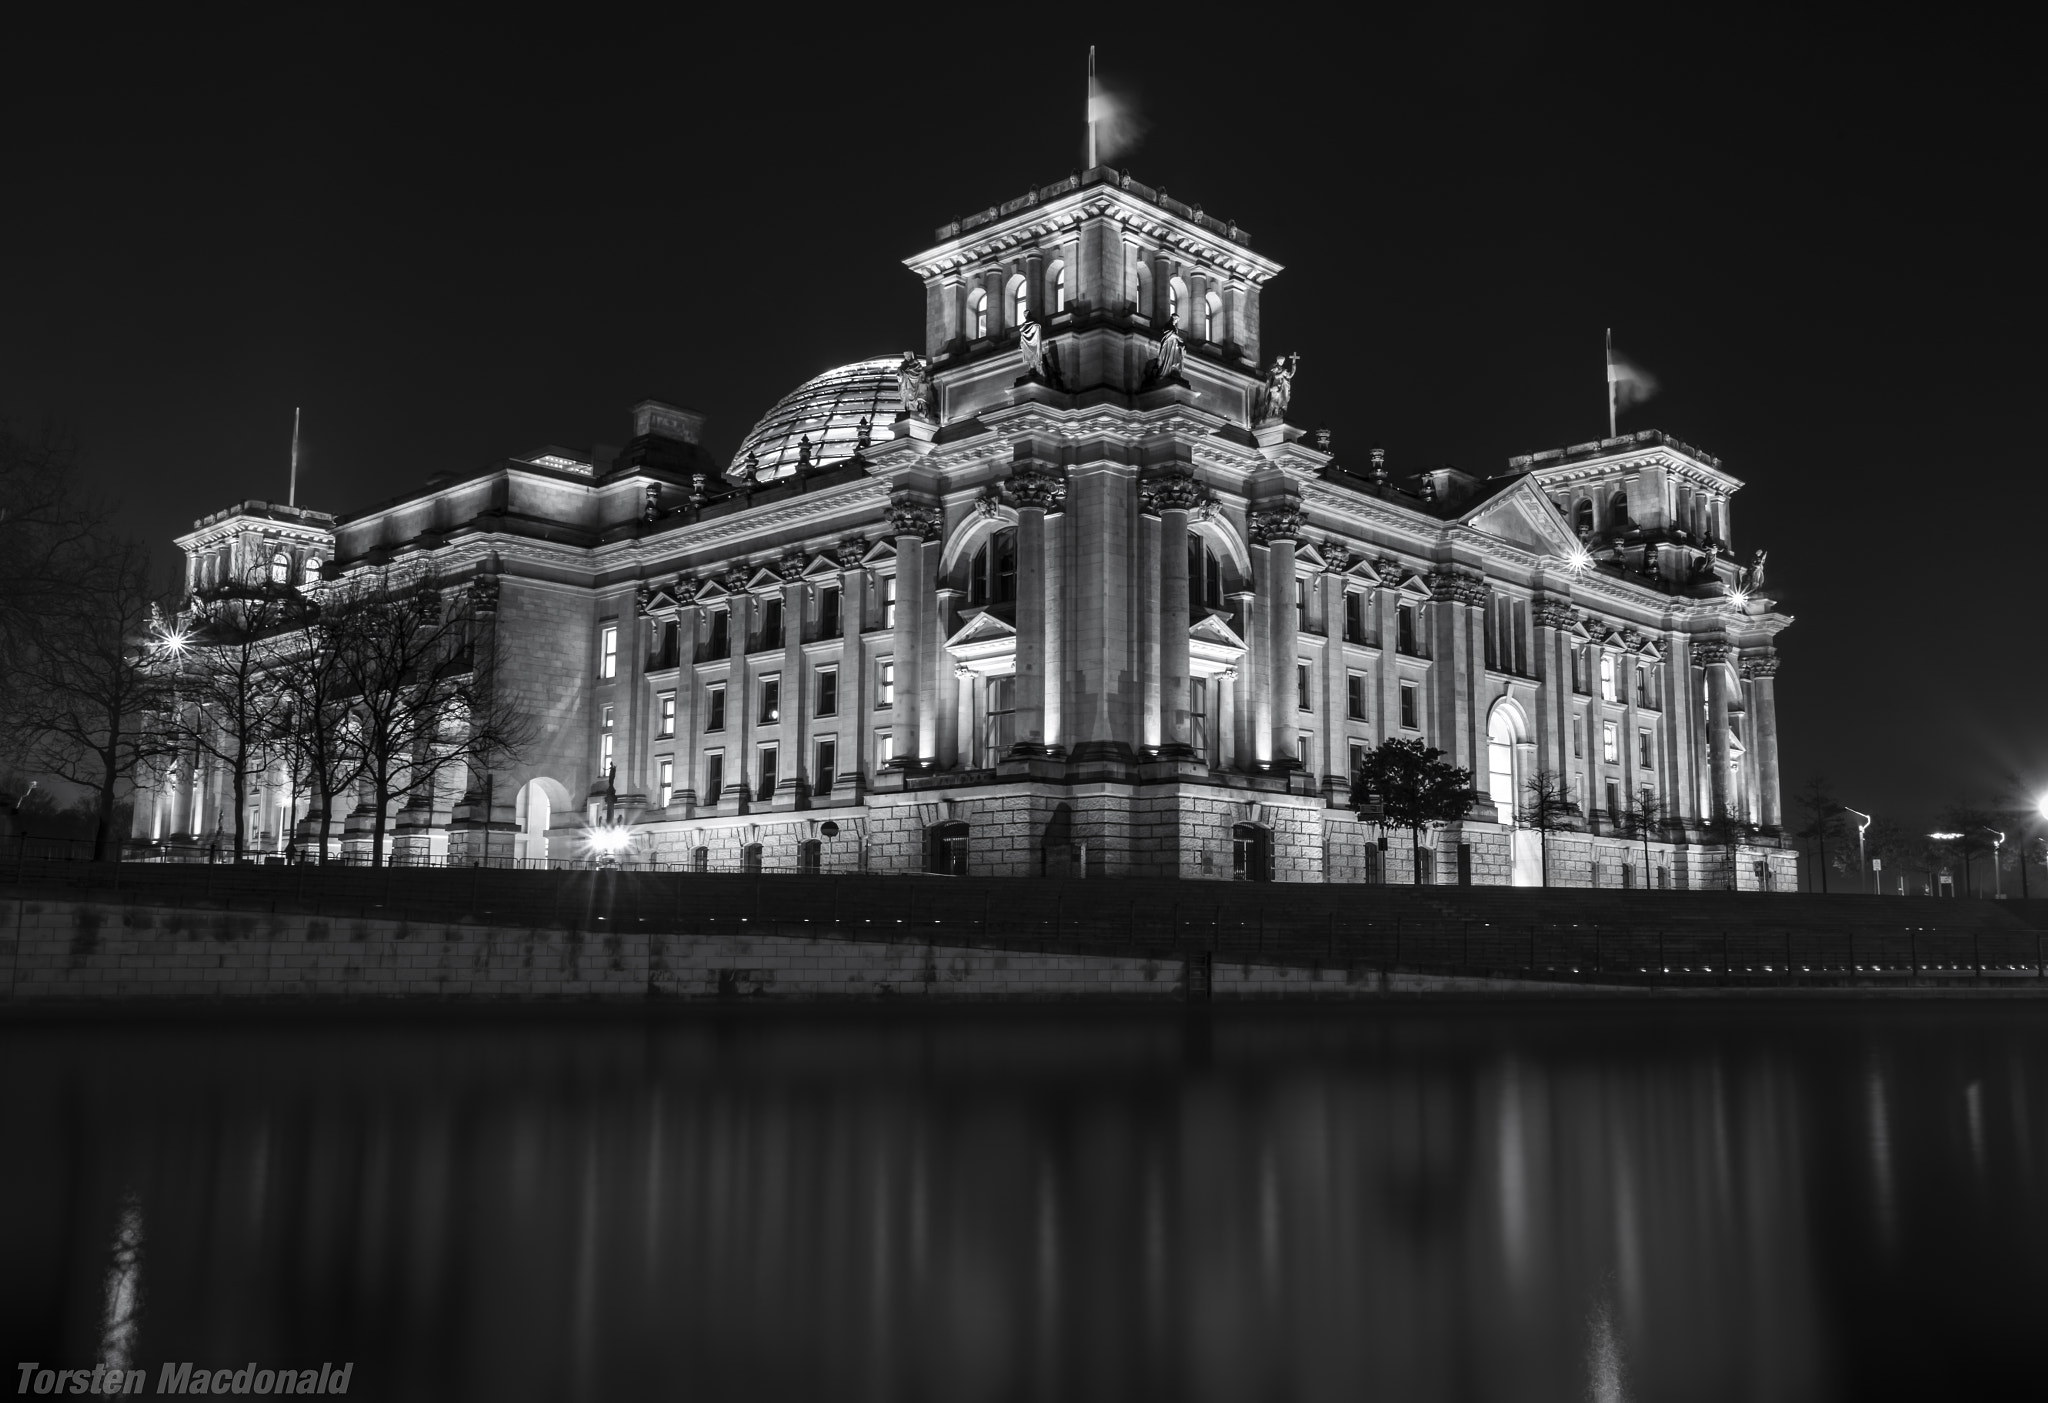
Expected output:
(882, 550)
(764, 579)
(1524, 515)
(1362, 570)
(981, 629)
(1418, 587)
(1212, 630)
(710, 590)
(1308, 553)
(821, 565)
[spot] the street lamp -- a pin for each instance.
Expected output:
(1997, 878)
(1862, 862)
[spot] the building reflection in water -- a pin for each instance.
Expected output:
(1306, 1204)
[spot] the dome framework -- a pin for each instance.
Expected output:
(819, 422)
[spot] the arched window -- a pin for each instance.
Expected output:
(1582, 517)
(280, 569)
(1500, 762)
(977, 315)
(1251, 854)
(700, 859)
(1173, 299)
(992, 578)
(1617, 511)
(1205, 576)
(1212, 317)
(810, 857)
(1144, 289)
(750, 859)
(946, 853)
(310, 571)
(1020, 302)
(1057, 298)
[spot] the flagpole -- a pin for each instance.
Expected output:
(1091, 107)
(1611, 430)
(293, 500)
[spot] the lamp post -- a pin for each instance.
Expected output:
(1862, 862)
(1997, 878)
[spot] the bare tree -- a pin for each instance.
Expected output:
(1892, 847)
(231, 707)
(1643, 818)
(1548, 807)
(419, 706)
(49, 535)
(312, 670)
(90, 682)
(1971, 828)
(1823, 822)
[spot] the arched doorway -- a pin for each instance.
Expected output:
(946, 852)
(534, 809)
(1251, 853)
(1505, 733)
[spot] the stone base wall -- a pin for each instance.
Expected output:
(72, 950)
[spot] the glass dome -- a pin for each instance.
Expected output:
(821, 418)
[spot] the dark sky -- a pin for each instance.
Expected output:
(450, 244)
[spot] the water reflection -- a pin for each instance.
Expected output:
(1279, 1204)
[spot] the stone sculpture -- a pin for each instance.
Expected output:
(914, 385)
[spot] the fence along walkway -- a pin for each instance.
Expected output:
(1662, 938)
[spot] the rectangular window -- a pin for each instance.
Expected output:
(1304, 749)
(668, 715)
(828, 691)
(1521, 631)
(1198, 716)
(1405, 630)
(1608, 690)
(1581, 674)
(1354, 616)
(885, 684)
(608, 651)
(665, 644)
(1614, 800)
(828, 764)
(1642, 686)
(885, 749)
(1357, 759)
(771, 621)
(766, 770)
(828, 612)
(1304, 687)
(720, 643)
(1578, 737)
(1410, 712)
(771, 699)
(1002, 719)
(1643, 751)
(1354, 696)
(714, 708)
(888, 601)
(714, 775)
(604, 742)
(665, 776)
(1300, 603)
(1610, 743)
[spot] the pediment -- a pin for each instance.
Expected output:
(1417, 587)
(882, 550)
(1307, 553)
(821, 565)
(764, 579)
(980, 629)
(1362, 570)
(1213, 631)
(1524, 515)
(711, 590)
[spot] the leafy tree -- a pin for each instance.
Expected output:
(1548, 807)
(1415, 787)
(1823, 822)
(91, 682)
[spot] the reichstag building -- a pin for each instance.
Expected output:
(1064, 593)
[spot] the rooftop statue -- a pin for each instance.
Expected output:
(1753, 577)
(1172, 356)
(1279, 391)
(914, 384)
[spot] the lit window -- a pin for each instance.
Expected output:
(828, 691)
(667, 785)
(1212, 317)
(1608, 692)
(1172, 300)
(771, 699)
(310, 571)
(608, 651)
(1304, 748)
(1059, 288)
(885, 683)
(1410, 708)
(1610, 743)
(977, 315)
(885, 749)
(668, 714)
(604, 743)
(280, 569)
(889, 601)
(1020, 303)
(714, 710)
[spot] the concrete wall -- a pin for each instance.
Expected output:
(72, 950)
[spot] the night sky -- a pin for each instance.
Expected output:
(452, 244)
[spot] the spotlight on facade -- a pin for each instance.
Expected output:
(2043, 806)
(1580, 559)
(172, 641)
(1739, 599)
(607, 843)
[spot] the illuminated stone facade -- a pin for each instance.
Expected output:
(1080, 600)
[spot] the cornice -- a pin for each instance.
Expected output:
(1065, 213)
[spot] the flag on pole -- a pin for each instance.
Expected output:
(1627, 384)
(293, 499)
(1094, 107)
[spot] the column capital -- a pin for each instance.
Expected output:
(1552, 612)
(1271, 525)
(1454, 586)
(1763, 663)
(911, 517)
(1712, 650)
(1038, 489)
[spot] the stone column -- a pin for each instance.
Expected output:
(947, 682)
(1151, 737)
(856, 693)
(1249, 674)
(1277, 528)
(1714, 656)
(793, 777)
(1762, 671)
(739, 696)
(1554, 692)
(912, 522)
(689, 740)
(1458, 666)
(1176, 498)
(1035, 490)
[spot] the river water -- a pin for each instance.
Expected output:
(1727, 1200)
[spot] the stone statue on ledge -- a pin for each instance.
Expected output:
(1279, 389)
(1172, 356)
(1041, 358)
(914, 385)
(1753, 577)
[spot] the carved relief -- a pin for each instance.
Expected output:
(1276, 524)
(1458, 587)
(910, 518)
(1554, 613)
(1041, 488)
(1180, 492)
(1763, 664)
(736, 579)
(1711, 650)
(850, 551)
(989, 504)
(791, 568)
(483, 595)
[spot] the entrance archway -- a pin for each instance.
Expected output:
(534, 809)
